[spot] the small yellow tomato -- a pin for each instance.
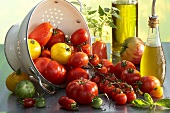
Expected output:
(34, 48)
(14, 78)
(61, 52)
(157, 92)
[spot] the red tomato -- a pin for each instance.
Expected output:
(130, 76)
(42, 33)
(41, 64)
(67, 103)
(82, 90)
(105, 62)
(149, 83)
(58, 36)
(100, 48)
(55, 73)
(102, 85)
(46, 53)
(115, 92)
(76, 73)
(28, 102)
(121, 99)
(93, 59)
(96, 79)
(79, 59)
(86, 48)
(79, 36)
(121, 66)
(131, 96)
(109, 89)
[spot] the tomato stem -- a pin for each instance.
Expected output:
(19, 72)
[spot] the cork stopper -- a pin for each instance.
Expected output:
(153, 22)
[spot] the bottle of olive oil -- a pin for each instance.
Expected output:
(153, 59)
(126, 25)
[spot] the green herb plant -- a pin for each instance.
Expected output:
(148, 102)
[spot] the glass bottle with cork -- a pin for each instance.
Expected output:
(153, 59)
(126, 25)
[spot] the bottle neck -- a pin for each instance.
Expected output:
(153, 39)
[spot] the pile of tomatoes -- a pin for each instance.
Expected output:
(66, 60)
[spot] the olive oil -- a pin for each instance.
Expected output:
(153, 63)
(127, 24)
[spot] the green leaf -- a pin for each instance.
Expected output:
(101, 11)
(140, 103)
(106, 9)
(148, 98)
(163, 102)
(91, 12)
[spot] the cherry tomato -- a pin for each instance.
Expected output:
(76, 73)
(121, 66)
(86, 48)
(55, 73)
(46, 53)
(121, 99)
(79, 36)
(40, 101)
(149, 83)
(79, 59)
(67, 103)
(61, 52)
(105, 62)
(109, 89)
(115, 92)
(58, 36)
(96, 79)
(130, 76)
(34, 48)
(97, 102)
(102, 85)
(131, 96)
(103, 71)
(82, 90)
(157, 92)
(28, 102)
(41, 64)
(42, 33)
(93, 59)
(99, 47)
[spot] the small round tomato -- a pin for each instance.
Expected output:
(61, 52)
(115, 92)
(79, 59)
(79, 36)
(121, 99)
(149, 83)
(102, 85)
(108, 89)
(121, 66)
(34, 48)
(93, 59)
(131, 96)
(46, 53)
(96, 79)
(130, 76)
(86, 48)
(97, 102)
(157, 92)
(58, 36)
(76, 73)
(82, 90)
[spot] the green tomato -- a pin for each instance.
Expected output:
(97, 102)
(40, 102)
(25, 89)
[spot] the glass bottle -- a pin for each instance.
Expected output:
(153, 59)
(126, 25)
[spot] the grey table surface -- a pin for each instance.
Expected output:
(9, 104)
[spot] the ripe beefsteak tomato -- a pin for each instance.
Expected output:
(82, 90)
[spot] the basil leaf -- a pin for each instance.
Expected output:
(140, 103)
(163, 102)
(148, 98)
(101, 11)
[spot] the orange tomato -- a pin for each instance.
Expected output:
(157, 92)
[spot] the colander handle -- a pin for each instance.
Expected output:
(41, 84)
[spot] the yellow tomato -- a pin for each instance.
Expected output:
(34, 48)
(61, 52)
(157, 92)
(14, 78)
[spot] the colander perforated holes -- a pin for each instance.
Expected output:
(53, 16)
